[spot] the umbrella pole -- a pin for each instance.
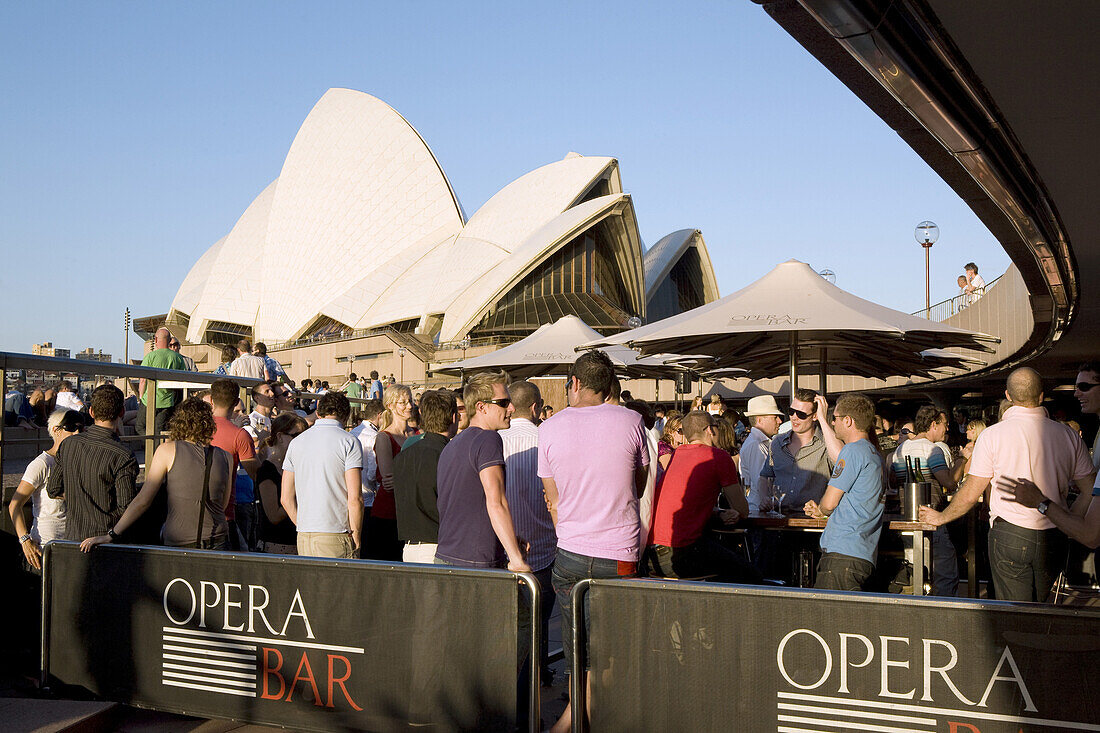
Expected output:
(821, 373)
(794, 362)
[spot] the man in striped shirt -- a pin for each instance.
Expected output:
(927, 454)
(523, 490)
(95, 472)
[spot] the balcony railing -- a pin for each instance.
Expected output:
(953, 306)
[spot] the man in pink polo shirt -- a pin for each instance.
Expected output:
(1026, 552)
(592, 460)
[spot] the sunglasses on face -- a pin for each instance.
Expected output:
(799, 413)
(905, 431)
(503, 402)
(1086, 386)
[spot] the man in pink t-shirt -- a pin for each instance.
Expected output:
(1026, 552)
(592, 459)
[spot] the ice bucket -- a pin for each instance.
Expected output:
(916, 494)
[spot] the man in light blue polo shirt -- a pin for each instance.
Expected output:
(321, 483)
(853, 501)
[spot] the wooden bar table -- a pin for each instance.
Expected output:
(916, 532)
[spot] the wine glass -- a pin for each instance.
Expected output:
(777, 501)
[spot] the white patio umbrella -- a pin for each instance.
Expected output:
(551, 351)
(793, 317)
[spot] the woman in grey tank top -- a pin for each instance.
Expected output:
(180, 464)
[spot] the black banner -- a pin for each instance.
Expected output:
(689, 656)
(301, 643)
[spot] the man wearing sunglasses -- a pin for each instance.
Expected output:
(801, 459)
(1086, 392)
(475, 524)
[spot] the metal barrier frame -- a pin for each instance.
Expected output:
(527, 580)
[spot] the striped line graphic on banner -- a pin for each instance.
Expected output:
(797, 713)
(201, 661)
(809, 714)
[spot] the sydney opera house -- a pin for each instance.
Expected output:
(360, 251)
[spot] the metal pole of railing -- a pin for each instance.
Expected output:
(47, 602)
(3, 394)
(150, 419)
(534, 717)
(578, 703)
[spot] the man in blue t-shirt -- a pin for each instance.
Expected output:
(853, 501)
(475, 524)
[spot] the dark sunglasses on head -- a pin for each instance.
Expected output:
(502, 402)
(798, 413)
(1086, 386)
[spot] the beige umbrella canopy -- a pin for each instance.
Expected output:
(793, 318)
(551, 350)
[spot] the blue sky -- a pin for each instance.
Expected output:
(135, 134)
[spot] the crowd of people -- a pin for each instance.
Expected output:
(491, 477)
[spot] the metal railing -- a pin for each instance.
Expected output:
(151, 375)
(952, 306)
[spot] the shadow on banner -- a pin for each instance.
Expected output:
(695, 656)
(303, 643)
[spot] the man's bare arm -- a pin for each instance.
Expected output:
(353, 480)
(288, 498)
(833, 444)
(550, 492)
(972, 490)
(1082, 523)
(492, 482)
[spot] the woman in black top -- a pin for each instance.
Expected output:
(276, 530)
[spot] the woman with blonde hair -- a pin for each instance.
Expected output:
(696, 403)
(672, 437)
(381, 535)
(277, 532)
(199, 481)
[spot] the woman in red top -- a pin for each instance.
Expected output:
(381, 540)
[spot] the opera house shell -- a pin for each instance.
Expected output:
(362, 230)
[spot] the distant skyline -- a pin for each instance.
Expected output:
(135, 135)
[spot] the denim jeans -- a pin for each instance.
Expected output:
(842, 572)
(569, 569)
(1024, 562)
(945, 564)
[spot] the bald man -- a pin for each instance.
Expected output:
(1026, 551)
(160, 357)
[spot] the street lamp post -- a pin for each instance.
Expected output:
(309, 366)
(926, 235)
(351, 364)
(401, 372)
(126, 332)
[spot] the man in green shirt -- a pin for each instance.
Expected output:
(355, 390)
(160, 357)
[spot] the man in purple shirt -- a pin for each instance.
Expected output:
(592, 459)
(475, 525)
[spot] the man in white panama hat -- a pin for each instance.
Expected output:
(765, 416)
